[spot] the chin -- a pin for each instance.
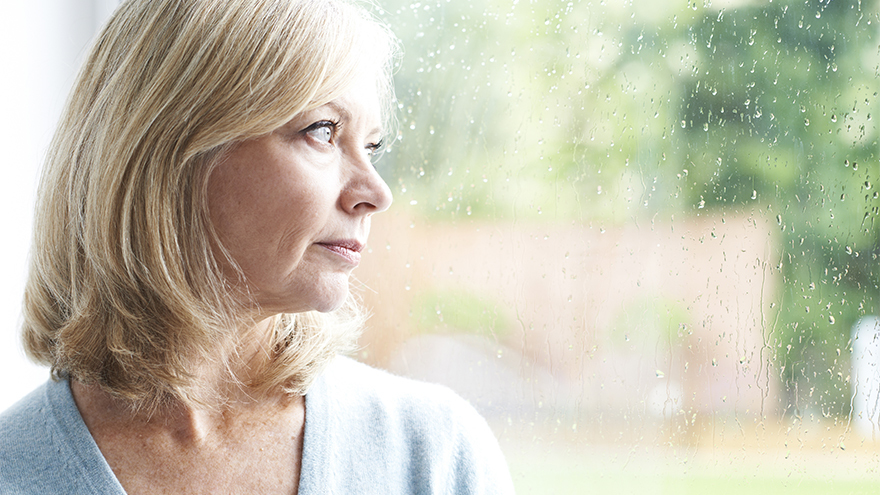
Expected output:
(329, 302)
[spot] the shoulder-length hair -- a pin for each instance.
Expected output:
(124, 288)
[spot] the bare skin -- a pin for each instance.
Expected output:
(246, 445)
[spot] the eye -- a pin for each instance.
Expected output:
(375, 149)
(323, 130)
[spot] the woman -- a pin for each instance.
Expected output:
(207, 194)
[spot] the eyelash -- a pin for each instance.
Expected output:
(373, 149)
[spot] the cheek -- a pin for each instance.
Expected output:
(232, 204)
(260, 214)
(245, 197)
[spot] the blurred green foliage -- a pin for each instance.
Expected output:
(460, 311)
(609, 111)
(659, 320)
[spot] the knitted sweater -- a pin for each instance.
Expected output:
(366, 432)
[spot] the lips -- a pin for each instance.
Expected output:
(348, 250)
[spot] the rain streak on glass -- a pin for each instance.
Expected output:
(640, 237)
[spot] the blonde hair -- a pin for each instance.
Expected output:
(124, 288)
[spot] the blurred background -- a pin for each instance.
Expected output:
(42, 43)
(640, 237)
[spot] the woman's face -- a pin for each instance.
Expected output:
(293, 207)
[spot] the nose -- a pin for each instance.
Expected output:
(365, 192)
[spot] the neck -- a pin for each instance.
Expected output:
(184, 424)
(223, 393)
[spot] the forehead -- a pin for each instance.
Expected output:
(360, 102)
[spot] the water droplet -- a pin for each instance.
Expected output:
(834, 119)
(779, 219)
(659, 374)
(831, 320)
(754, 194)
(807, 122)
(867, 184)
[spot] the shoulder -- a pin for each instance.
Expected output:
(46, 448)
(408, 407)
(422, 435)
(25, 441)
(357, 382)
(20, 423)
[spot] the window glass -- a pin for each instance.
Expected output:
(640, 237)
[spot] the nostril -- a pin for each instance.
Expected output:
(367, 193)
